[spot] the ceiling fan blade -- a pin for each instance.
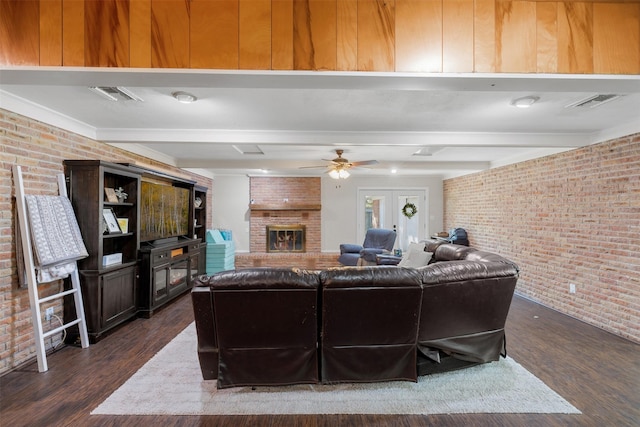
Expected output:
(313, 167)
(330, 161)
(365, 163)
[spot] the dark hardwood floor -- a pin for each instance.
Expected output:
(595, 371)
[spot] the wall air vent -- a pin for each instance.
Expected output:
(115, 93)
(593, 101)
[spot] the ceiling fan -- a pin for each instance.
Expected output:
(338, 167)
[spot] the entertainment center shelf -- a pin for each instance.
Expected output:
(143, 235)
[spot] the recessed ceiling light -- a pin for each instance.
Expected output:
(525, 101)
(184, 97)
(394, 170)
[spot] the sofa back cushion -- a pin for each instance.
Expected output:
(451, 252)
(263, 277)
(465, 271)
(430, 245)
(484, 256)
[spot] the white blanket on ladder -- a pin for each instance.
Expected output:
(56, 239)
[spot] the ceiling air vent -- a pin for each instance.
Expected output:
(248, 149)
(115, 93)
(593, 101)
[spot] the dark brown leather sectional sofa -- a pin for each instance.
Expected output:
(281, 326)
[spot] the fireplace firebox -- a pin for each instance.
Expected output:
(286, 238)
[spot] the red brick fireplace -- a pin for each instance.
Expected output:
(285, 203)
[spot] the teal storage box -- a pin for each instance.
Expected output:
(220, 253)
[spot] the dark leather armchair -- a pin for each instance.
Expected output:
(377, 241)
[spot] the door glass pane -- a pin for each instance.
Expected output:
(160, 282)
(382, 208)
(178, 274)
(374, 212)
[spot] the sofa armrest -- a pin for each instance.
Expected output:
(350, 248)
(369, 254)
(206, 331)
(388, 259)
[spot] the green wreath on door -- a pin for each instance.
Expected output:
(409, 210)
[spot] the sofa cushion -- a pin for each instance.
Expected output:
(484, 256)
(464, 270)
(451, 252)
(263, 278)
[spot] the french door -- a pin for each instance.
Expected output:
(383, 208)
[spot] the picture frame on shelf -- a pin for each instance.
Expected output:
(112, 197)
(112, 222)
(124, 224)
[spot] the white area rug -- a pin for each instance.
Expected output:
(171, 384)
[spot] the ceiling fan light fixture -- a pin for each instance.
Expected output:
(339, 174)
(184, 97)
(525, 101)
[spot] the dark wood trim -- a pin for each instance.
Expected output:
(286, 207)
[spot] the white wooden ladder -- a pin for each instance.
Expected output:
(32, 283)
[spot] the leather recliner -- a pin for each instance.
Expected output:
(465, 305)
(266, 326)
(376, 241)
(369, 324)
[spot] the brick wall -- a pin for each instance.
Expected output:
(309, 261)
(570, 218)
(40, 150)
(274, 191)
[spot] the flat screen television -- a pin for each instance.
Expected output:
(164, 211)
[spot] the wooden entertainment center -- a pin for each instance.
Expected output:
(145, 247)
(168, 268)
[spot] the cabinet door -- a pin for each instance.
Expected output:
(119, 295)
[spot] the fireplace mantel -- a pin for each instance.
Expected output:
(285, 207)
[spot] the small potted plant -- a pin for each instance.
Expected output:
(122, 196)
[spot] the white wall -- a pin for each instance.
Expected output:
(339, 206)
(231, 208)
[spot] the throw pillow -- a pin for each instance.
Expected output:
(415, 256)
